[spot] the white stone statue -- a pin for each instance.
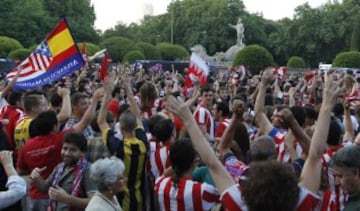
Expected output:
(239, 27)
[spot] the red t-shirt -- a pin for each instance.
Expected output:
(114, 108)
(13, 114)
(39, 152)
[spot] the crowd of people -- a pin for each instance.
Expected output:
(142, 140)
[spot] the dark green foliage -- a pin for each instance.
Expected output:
(21, 53)
(172, 52)
(255, 58)
(150, 51)
(131, 56)
(296, 62)
(7, 45)
(118, 47)
(349, 59)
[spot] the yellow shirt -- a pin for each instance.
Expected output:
(21, 133)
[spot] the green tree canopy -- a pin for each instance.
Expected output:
(172, 52)
(349, 59)
(21, 53)
(255, 58)
(150, 51)
(296, 62)
(8, 44)
(118, 47)
(131, 56)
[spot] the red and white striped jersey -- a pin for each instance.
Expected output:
(203, 117)
(156, 106)
(282, 152)
(158, 158)
(232, 199)
(222, 127)
(185, 195)
(336, 190)
(327, 201)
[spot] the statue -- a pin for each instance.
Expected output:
(239, 27)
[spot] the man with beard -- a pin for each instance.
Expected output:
(69, 184)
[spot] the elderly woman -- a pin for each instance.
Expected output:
(108, 174)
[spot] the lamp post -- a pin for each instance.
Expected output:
(172, 23)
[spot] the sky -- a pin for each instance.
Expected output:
(110, 12)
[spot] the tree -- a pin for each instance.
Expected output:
(150, 51)
(118, 47)
(21, 53)
(131, 56)
(255, 58)
(80, 15)
(349, 59)
(355, 36)
(296, 62)
(7, 45)
(172, 52)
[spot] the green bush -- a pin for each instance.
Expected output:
(7, 45)
(149, 50)
(296, 62)
(349, 59)
(91, 48)
(118, 47)
(172, 52)
(21, 53)
(131, 56)
(255, 58)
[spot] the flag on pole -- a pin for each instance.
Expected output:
(55, 57)
(198, 71)
(104, 66)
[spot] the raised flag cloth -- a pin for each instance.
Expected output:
(55, 57)
(198, 71)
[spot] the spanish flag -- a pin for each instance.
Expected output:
(55, 57)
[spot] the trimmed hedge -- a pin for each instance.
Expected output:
(131, 56)
(8, 44)
(349, 59)
(21, 53)
(172, 52)
(255, 58)
(118, 47)
(149, 50)
(296, 62)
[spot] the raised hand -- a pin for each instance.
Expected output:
(108, 85)
(267, 77)
(176, 106)
(6, 158)
(63, 91)
(98, 94)
(58, 194)
(331, 90)
(36, 172)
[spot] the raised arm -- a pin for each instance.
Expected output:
(11, 84)
(263, 122)
(101, 119)
(295, 128)
(311, 173)
(349, 130)
(90, 112)
(133, 105)
(225, 143)
(218, 172)
(65, 111)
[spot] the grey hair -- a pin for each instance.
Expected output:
(262, 148)
(105, 172)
